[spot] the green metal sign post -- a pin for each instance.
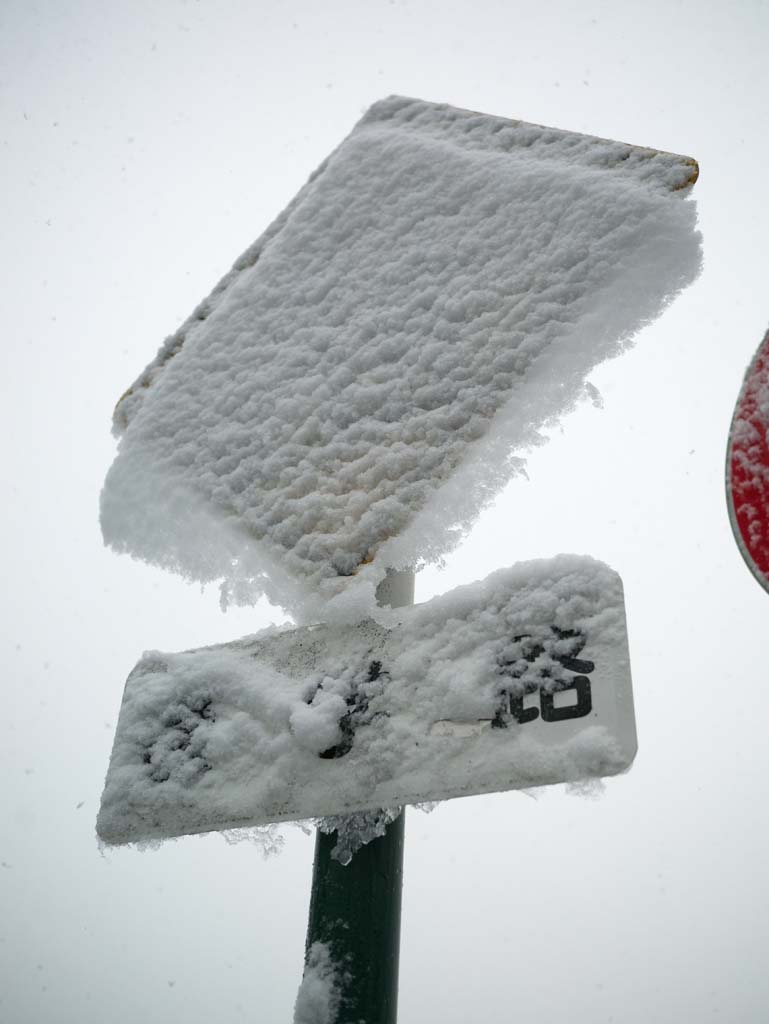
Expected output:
(355, 909)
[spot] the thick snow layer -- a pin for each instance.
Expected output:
(519, 680)
(350, 394)
(317, 1001)
(748, 466)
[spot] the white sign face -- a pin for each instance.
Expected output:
(350, 393)
(520, 680)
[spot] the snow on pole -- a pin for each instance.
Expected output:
(747, 467)
(318, 998)
(355, 901)
(349, 395)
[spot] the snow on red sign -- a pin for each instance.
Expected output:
(747, 467)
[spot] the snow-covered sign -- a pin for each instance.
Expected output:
(747, 467)
(520, 680)
(349, 395)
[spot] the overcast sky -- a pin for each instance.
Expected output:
(144, 145)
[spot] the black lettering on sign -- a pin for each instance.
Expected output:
(368, 683)
(543, 665)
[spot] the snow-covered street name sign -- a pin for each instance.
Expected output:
(520, 680)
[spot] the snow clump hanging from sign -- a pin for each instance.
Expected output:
(351, 394)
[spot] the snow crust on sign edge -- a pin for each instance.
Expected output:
(489, 463)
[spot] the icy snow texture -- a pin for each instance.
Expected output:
(317, 1001)
(329, 720)
(354, 831)
(748, 466)
(349, 395)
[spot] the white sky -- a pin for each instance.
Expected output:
(144, 145)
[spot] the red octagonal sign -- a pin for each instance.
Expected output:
(747, 467)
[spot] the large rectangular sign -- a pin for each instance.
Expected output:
(347, 398)
(520, 680)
